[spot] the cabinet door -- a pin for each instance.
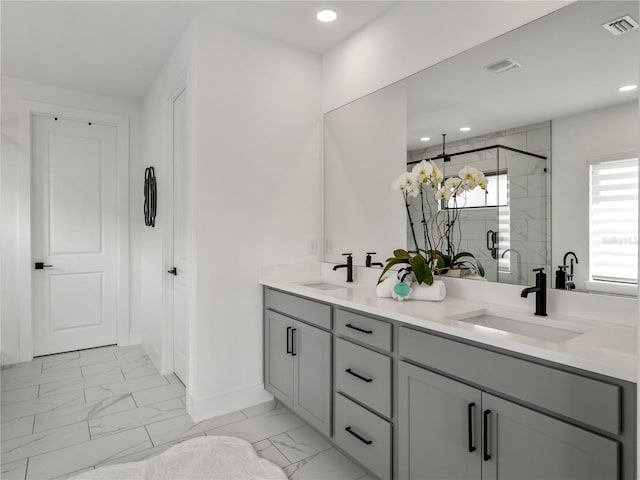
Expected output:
(278, 363)
(439, 423)
(527, 445)
(312, 375)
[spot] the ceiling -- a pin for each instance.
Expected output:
(117, 47)
(569, 64)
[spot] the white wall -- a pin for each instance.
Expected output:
(257, 197)
(412, 36)
(151, 246)
(575, 140)
(14, 176)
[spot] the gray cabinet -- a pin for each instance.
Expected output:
(297, 368)
(449, 430)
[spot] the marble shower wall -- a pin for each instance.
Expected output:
(524, 223)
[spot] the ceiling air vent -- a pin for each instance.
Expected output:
(621, 25)
(502, 66)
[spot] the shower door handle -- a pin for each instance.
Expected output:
(492, 243)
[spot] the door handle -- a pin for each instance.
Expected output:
(470, 408)
(486, 455)
(41, 265)
(173, 271)
(492, 240)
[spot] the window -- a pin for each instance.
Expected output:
(613, 221)
(496, 194)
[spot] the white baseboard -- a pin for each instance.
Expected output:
(213, 406)
(134, 339)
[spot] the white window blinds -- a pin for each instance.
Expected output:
(613, 221)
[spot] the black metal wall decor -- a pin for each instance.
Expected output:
(150, 197)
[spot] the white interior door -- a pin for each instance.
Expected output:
(74, 233)
(181, 236)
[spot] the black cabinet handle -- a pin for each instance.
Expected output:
(173, 271)
(348, 325)
(470, 409)
(42, 265)
(486, 456)
(288, 340)
(294, 352)
(364, 379)
(362, 439)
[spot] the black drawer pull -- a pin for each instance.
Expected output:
(364, 379)
(348, 325)
(294, 352)
(470, 408)
(363, 440)
(288, 339)
(486, 454)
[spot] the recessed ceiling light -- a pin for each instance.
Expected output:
(326, 16)
(425, 139)
(627, 88)
(465, 129)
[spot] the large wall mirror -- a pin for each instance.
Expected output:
(548, 126)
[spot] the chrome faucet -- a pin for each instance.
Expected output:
(348, 266)
(540, 290)
(518, 261)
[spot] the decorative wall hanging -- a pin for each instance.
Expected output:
(150, 197)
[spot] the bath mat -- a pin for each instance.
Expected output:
(208, 457)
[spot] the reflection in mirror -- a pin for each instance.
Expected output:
(550, 88)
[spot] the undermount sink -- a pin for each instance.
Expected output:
(535, 330)
(323, 286)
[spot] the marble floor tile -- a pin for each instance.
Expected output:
(262, 408)
(173, 378)
(158, 394)
(73, 474)
(19, 395)
(144, 454)
(267, 450)
(14, 470)
(55, 357)
(114, 365)
(79, 383)
(92, 351)
(138, 370)
(131, 352)
(41, 442)
(40, 379)
(87, 454)
(117, 422)
(125, 386)
(259, 427)
(183, 427)
(96, 359)
(300, 443)
(17, 427)
(21, 371)
(329, 464)
(83, 412)
(39, 405)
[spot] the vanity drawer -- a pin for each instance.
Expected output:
(364, 375)
(312, 312)
(363, 435)
(364, 329)
(584, 399)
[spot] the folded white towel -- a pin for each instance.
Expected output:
(435, 292)
(385, 288)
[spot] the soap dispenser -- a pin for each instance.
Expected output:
(561, 277)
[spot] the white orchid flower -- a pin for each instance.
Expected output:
(437, 176)
(423, 171)
(407, 182)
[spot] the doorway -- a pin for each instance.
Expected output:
(74, 233)
(182, 252)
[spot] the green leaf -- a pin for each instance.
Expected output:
(391, 263)
(421, 270)
(400, 253)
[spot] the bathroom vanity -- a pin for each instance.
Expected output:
(420, 390)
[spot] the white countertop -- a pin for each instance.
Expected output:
(604, 348)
